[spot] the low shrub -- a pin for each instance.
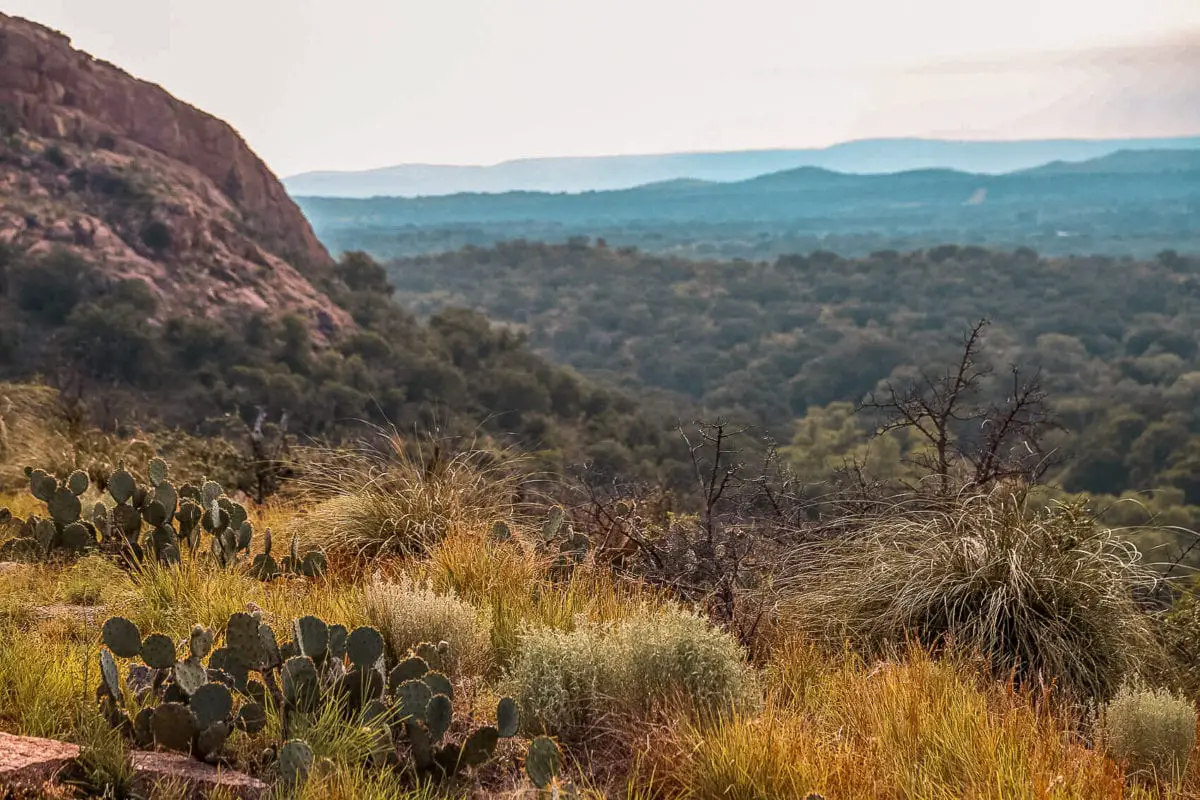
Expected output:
(658, 661)
(1151, 730)
(1045, 596)
(407, 615)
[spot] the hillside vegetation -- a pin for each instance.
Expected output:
(792, 344)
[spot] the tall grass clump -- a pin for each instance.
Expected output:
(911, 727)
(400, 499)
(1043, 596)
(1152, 731)
(662, 661)
(408, 614)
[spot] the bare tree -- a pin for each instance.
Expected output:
(971, 442)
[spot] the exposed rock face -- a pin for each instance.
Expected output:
(117, 169)
(28, 762)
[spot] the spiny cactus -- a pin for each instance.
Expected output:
(311, 565)
(568, 546)
(542, 761)
(64, 532)
(195, 709)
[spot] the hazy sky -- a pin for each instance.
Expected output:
(352, 84)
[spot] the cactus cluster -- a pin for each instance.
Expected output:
(156, 518)
(63, 531)
(193, 707)
(310, 564)
(188, 706)
(567, 546)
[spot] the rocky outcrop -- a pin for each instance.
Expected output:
(148, 187)
(30, 763)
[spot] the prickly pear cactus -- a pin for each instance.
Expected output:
(542, 761)
(295, 762)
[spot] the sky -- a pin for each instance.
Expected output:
(357, 84)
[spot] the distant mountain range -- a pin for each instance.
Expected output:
(601, 173)
(1131, 202)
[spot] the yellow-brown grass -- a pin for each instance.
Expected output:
(905, 729)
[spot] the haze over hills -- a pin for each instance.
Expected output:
(1131, 202)
(623, 172)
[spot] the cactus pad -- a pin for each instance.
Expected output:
(42, 485)
(128, 520)
(358, 688)
(295, 761)
(122, 637)
(173, 726)
(501, 532)
(158, 471)
(190, 675)
(418, 739)
(314, 564)
(439, 684)
(438, 716)
(211, 703)
(428, 653)
(301, 685)
(121, 486)
(413, 698)
(364, 646)
(110, 675)
(338, 637)
(200, 641)
(407, 670)
(479, 747)
(312, 634)
(270, 648)
(252, 718)
(64, 506)
(143, 733)
(155, 513)
(211, 739)
(243, 640)
(508, 719)
(78, 482)
(264, 568)
(542, 761)
(158, 651)
(77, 537)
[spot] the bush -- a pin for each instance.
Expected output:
(1151, 730)
(50, 287)
(408, 615)
(402, 501)
(1045, 596)
(157, 236)
(647, 663)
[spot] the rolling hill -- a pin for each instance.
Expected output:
(623, 172)
(1127, 203)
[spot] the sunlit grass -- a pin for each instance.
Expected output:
(911, 728)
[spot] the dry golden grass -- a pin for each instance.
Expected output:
(913, 728)
(850, 723)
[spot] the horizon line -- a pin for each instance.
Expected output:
(747, 151)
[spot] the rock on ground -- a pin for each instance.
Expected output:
(29, 763)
